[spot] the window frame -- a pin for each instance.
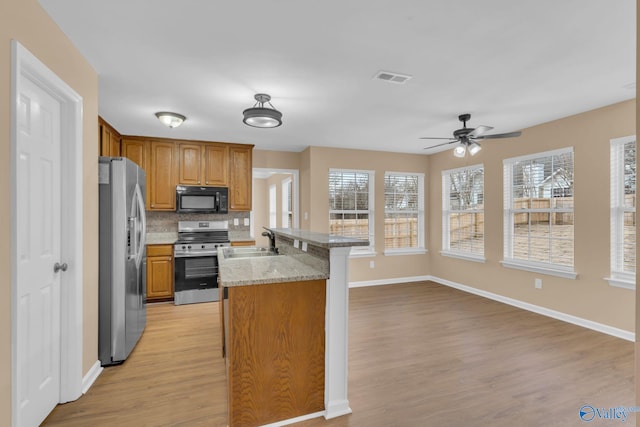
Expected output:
(420, 215)
(359, 251)
(618, 276)
(509, 212)
(446, 216)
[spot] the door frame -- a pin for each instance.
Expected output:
(261, 172)
(24, 65)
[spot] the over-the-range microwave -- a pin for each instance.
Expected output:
(195, 199)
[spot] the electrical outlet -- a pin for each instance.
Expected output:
(246, 222)
(372, 264)
(235, 222)
(538, 283)
(304, 246)
(296, 243)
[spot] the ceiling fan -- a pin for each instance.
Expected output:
(467, 138)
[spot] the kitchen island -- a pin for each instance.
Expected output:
(285, 329)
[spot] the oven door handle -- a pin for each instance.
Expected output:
(200, 255)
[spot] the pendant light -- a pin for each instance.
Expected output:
(260, 116)
(172, 120)
(460, 150)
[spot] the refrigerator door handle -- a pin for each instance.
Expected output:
(141, 222)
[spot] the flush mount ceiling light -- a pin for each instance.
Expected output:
(172, 120)
(260, 116)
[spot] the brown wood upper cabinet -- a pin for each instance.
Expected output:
(203, 164)
(161, 172)
(240, 175)
(109, 139)
(135, 150)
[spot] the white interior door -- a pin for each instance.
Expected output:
(38, 251)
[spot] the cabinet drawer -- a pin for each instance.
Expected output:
(159, 250)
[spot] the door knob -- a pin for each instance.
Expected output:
(57, 267)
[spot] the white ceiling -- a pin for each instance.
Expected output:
(511, 64)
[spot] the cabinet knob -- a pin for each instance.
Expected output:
(206, 182)
(152, 205)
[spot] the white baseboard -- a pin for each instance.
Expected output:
(92, 375)
(294, 420)
(394, 281)
(585, 323)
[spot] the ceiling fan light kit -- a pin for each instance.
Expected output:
(460, 150)
(467, 137)
(260, 116)
(172, 120)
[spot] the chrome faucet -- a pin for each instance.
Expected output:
(272, 239)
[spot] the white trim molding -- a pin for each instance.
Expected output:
(579, 321)
(91, 376)
(394, 281)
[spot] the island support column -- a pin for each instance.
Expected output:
(337, 337)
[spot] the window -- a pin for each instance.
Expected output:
(272, 207)
(463, 213)
(403, 213)
(351, 205)
(538, 209)
(623, 208)
(287, 204)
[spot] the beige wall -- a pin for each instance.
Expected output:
(589, 296)
(25, 21)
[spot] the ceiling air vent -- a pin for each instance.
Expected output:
(388, 76)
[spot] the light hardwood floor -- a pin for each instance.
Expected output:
(420, 354)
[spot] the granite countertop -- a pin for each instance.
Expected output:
(167, 238)
(322, 240)
(264, 270)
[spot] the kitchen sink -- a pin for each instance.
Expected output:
(247, 252)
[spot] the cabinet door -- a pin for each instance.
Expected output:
(161, 191)
(215, 165)
(190, 167)
(109, 142)
(159, 272)
(114, 145)
(240, 161)
(134, 150)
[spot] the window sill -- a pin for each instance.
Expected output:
(621, 283)
(550, 270)
(362, 254)
(466, 257)
(407, 251)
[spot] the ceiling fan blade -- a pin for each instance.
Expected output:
(479, 131)
(500, 135)
(440, 145)
(430, 137)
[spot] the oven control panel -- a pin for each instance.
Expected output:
(197, 249)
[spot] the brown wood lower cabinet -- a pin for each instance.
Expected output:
(244, 243)
(159, 273)
(275, 344)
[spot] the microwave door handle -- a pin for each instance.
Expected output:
(217, 204)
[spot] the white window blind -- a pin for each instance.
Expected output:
(539, 216)
(287, 203)
(403, 211)
(463, 212)
(351, 205)
(623, 208)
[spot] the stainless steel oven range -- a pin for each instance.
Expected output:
(196, 260)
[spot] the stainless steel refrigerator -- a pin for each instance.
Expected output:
(122, 282)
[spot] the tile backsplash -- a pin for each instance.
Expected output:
(167, 222)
